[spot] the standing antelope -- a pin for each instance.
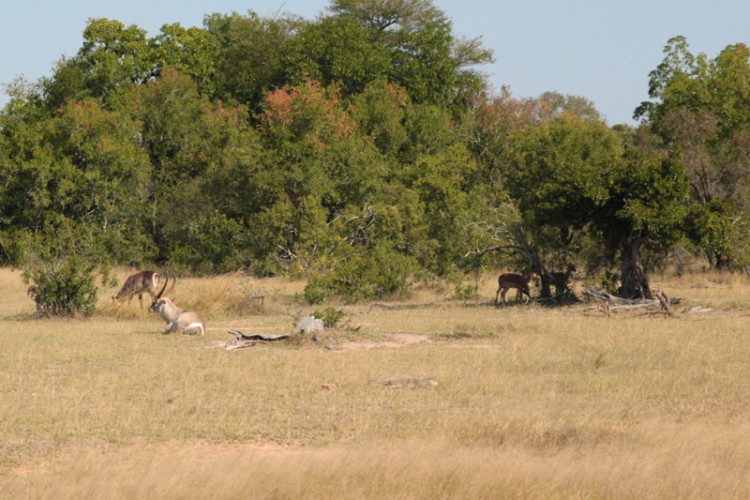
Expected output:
(178, 320)
(145, 281)
(561, 279)
(506, 281)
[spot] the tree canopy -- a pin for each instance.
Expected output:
(363, 150)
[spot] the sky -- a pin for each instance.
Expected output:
(602, 50)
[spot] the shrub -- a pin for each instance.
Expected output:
(380, 272)
(63, 287)
(330, 316)
(60, 264)
(466, 291)
(314, 293)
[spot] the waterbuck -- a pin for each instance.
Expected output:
(178, 320)
(145, 281)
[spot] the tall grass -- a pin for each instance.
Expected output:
(530, 402)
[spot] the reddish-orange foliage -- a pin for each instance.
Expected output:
(313, 110)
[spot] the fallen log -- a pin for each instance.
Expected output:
(697, 309)
(614, 303)
(614, 299)
(665, 303)
(243, 340)
(257, 337)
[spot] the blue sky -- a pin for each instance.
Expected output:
(599, 49)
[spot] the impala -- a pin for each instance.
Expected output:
(506, 281)
(561, 279)
(145, 281)
(178, 320)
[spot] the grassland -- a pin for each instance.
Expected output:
(530, 401)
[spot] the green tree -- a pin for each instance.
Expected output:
(380, 111)
(108, 175)
(203, 157)
(426, 58)
(441, 182)
(558, 173)
(558, 178)
(572, 176)
(171, 114)
(700, 108)
(111, 58)
(318, 165)
(81, 167)
(249, 62)
(558, 104)
(335, 50)
(190, 51)
(647, 206)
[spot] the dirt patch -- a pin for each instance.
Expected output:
(393, 341)
(396, 340)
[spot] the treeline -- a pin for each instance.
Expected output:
(362, 149)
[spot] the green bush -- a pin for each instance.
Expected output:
(64, 287)
(313, 293)
(466, 291)
(330, 316)
(375, 273)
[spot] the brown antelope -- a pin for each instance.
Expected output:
(561, 279)
(145, 281)
(178, 320)
(506, 281)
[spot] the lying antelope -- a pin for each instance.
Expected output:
(506, 281)
(178, 320)
(145, 281)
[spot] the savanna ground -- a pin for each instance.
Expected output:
(530, 401)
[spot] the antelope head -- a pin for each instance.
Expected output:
(137, 284)
(157, 304)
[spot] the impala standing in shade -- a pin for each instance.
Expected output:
(506, 281)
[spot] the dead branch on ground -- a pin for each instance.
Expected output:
(612, 303)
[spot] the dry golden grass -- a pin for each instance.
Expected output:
(531, 402)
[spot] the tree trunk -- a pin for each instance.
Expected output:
(546, 291)
(634, 279)
(536, 266)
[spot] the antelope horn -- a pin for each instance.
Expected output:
(166, 280)
(174, 282)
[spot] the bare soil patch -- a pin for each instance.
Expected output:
(395, 340)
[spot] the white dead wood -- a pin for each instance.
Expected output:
(409, 382)
(665, 303)
(697, 310)
(612, 303)
(309, 324)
